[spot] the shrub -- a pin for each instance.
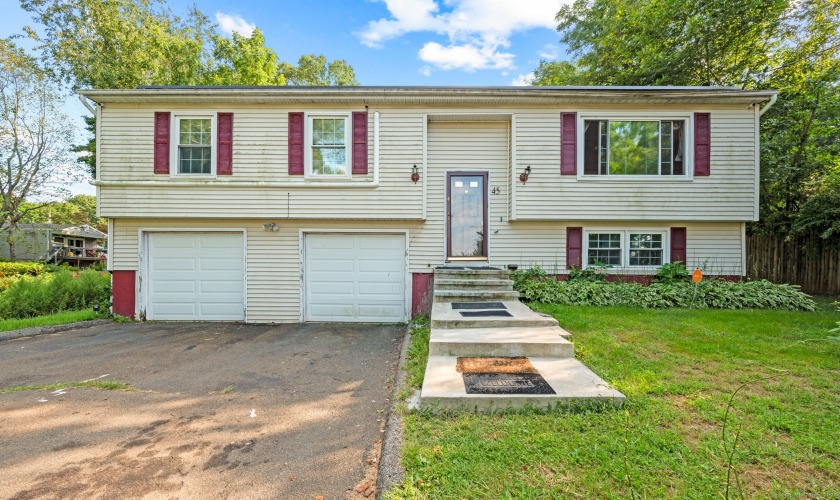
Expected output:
(30, 296)
(713, 294)
(10, 269)
(672, 272)
(593, 274)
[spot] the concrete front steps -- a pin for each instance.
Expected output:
(524, 333)
(574, 383)
(544, 341)
(443, 316)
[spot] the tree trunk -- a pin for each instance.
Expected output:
(10, 239)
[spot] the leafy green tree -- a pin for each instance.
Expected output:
(80, 209)
(316, 70)
(789, 45)
(34, 140)
(244, 60)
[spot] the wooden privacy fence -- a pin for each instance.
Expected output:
(806, 262)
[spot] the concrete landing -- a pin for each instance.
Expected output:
(544, 341)
(574, 383)
(443, 316)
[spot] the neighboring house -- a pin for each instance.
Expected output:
(56, 243)
(286, 204)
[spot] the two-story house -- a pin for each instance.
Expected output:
(287, 204)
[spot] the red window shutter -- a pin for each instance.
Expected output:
(162, 121)
(360, 146)
(296, 143)
(568, 143)
(574, 247)
(224, 141)
(702, 144)
(678, 244)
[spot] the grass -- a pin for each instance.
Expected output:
(49, 320)
(679, 369)
(108, 385)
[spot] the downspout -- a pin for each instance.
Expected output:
(768, 105)
(87, 104)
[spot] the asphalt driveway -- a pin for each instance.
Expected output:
(219, 410)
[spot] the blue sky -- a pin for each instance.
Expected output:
(388, 42)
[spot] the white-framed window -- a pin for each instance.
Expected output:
(328, 145)
(194, 137)
(625, 248)
(633, 146)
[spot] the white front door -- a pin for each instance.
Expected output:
(355, 277)
(196, 276)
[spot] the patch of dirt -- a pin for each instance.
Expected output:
(519, 364)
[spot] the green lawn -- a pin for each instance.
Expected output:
(49, 320)
(678, 368)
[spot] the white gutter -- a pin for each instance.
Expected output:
(239, 184)
(769, 104)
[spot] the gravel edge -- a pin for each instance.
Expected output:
(41, 330)
(390, 467)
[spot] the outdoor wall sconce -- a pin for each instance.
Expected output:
(415, 176)
(524, 175)
(270, 226)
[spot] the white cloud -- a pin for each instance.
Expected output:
(478, 31)
(550, 52)
(467, 57)
(426, 71)
(523, 80)
(230, 23)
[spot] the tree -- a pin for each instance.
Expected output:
(789, 45)
(80, 209)
(121, 43)
(244, 60)
(34, 140)
(315, 70)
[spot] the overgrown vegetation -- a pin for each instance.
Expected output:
(678, 368)
(535, 285)
(31, 296)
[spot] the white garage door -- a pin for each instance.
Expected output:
(354, 277)
(196, 276)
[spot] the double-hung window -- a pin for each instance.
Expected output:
(328, 151)
(629, 147)
(625, 248)
(195, 145)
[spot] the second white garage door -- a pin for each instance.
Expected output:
(355, 277)
(196, 276)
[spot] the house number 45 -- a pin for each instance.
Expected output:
(496, 190)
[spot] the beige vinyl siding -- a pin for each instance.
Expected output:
(728, 194)
(259, 156)
(260, 153)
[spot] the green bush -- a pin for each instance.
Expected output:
(712, 294)
(672, 272)
(30, 296)
(10, 269)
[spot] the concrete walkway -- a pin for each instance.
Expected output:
(503, 328)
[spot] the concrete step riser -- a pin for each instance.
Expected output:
(449, 284)
(491, 323)
(501, 349)
(500, 403)
(478, 287)
(471, 275)
(476, 296)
